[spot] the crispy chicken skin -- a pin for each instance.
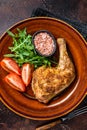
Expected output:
(47, 82)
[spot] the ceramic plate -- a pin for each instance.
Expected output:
(68, 99)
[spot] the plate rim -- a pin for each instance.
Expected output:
(31, 18)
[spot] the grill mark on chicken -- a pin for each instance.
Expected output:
(47, 82)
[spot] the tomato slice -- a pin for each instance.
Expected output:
(10, 65)
(26, 73)
(15, 82)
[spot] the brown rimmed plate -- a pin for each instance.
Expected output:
(67, 100)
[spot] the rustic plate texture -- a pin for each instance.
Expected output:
(68, 99)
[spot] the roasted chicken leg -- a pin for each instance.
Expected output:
(47, 82)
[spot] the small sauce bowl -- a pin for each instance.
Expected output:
(44, 43)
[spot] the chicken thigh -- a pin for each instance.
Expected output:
(47, 82)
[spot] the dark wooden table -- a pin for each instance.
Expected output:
(12, 11)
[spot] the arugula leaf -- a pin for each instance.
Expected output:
(23, 51)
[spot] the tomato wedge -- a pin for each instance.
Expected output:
(15, 82)
(10, 65)
(26, 73)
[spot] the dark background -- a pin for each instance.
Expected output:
(12, 11)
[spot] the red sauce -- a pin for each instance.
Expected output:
(44, 43)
